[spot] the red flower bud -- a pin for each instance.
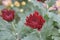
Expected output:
(8, 15)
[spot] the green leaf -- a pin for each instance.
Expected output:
(5, 35)
(50, 2)
(46, 30)
(17, 18)
(56, 38)
(4, 24)
(32, 36)
(46, 17)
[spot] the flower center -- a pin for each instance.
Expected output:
(34, 21)
(8, 14)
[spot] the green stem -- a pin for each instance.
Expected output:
(39, 35)
(13, 25)
(14, 31)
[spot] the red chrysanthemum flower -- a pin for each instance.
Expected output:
(35, 21)
(8, 15)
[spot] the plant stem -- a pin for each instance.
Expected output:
(14, 32)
